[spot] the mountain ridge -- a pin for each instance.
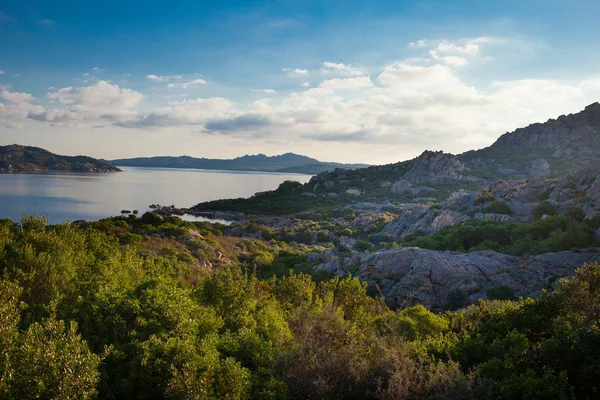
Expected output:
(287, 162)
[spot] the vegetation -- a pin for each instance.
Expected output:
(124, 308)
(15, 158)
(554, 233)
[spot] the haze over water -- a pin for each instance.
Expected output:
(97, 196)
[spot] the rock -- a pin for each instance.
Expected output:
(435, 166)
(400, 186)
(447, 218)
(539, 167)
(416, 276)
(346, 243)
(574, 137)
(493, 217)
(353, 191)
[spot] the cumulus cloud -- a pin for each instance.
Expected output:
(454, 61)
(346, 83)
(186, 112)
(409, 104)
(102, 96)
(16, 97)
(343, 69)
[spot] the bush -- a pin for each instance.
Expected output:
(498, 207)
(501, 292)
(150, 218)
(484, 197)
(541, 209)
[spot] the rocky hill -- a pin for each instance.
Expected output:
(16, 158)
(288, 163)
(442, 279)
(533, 197)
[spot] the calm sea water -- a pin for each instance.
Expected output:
(95, 196)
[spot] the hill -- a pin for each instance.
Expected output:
(16, 158)
(541, 162)
(288, 162)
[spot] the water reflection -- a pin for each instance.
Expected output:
(94, 196)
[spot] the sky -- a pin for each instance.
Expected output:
(340, 80)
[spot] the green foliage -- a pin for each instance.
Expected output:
(84, 315)
(541, 209)
(554, 233)
(498, 207)
(501, 292)
(484, 197)
(150, 218)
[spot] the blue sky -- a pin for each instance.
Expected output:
(355, 81)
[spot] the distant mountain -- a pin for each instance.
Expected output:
(16, 158)
(288, 162)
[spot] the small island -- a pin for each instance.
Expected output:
(16, 158)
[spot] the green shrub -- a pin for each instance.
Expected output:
(541, 209)
(484, 197)
(498, 207)
(501, 292)
(150, 218)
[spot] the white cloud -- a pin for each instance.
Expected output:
(418, 44)
(268, 91)
(185, 85)
(2, 72)
(468, 48)
(408, 105)
(296, 71)
(16, 97)
(343, 69)
(163, 78)
(347, 83)
(186, 112)
(103, 95)
(454, 61)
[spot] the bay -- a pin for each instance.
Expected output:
(63, 196)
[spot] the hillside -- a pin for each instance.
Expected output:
(550, 150)
(289, 163)
(16, 158)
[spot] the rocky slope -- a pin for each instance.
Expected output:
(440, 280)
(15, 158)
(507, 201)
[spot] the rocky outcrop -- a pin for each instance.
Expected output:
(573, 137)
(435, 166)
(440, 279)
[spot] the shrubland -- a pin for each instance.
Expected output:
(153, 308)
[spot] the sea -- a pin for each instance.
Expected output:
(77, 196)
